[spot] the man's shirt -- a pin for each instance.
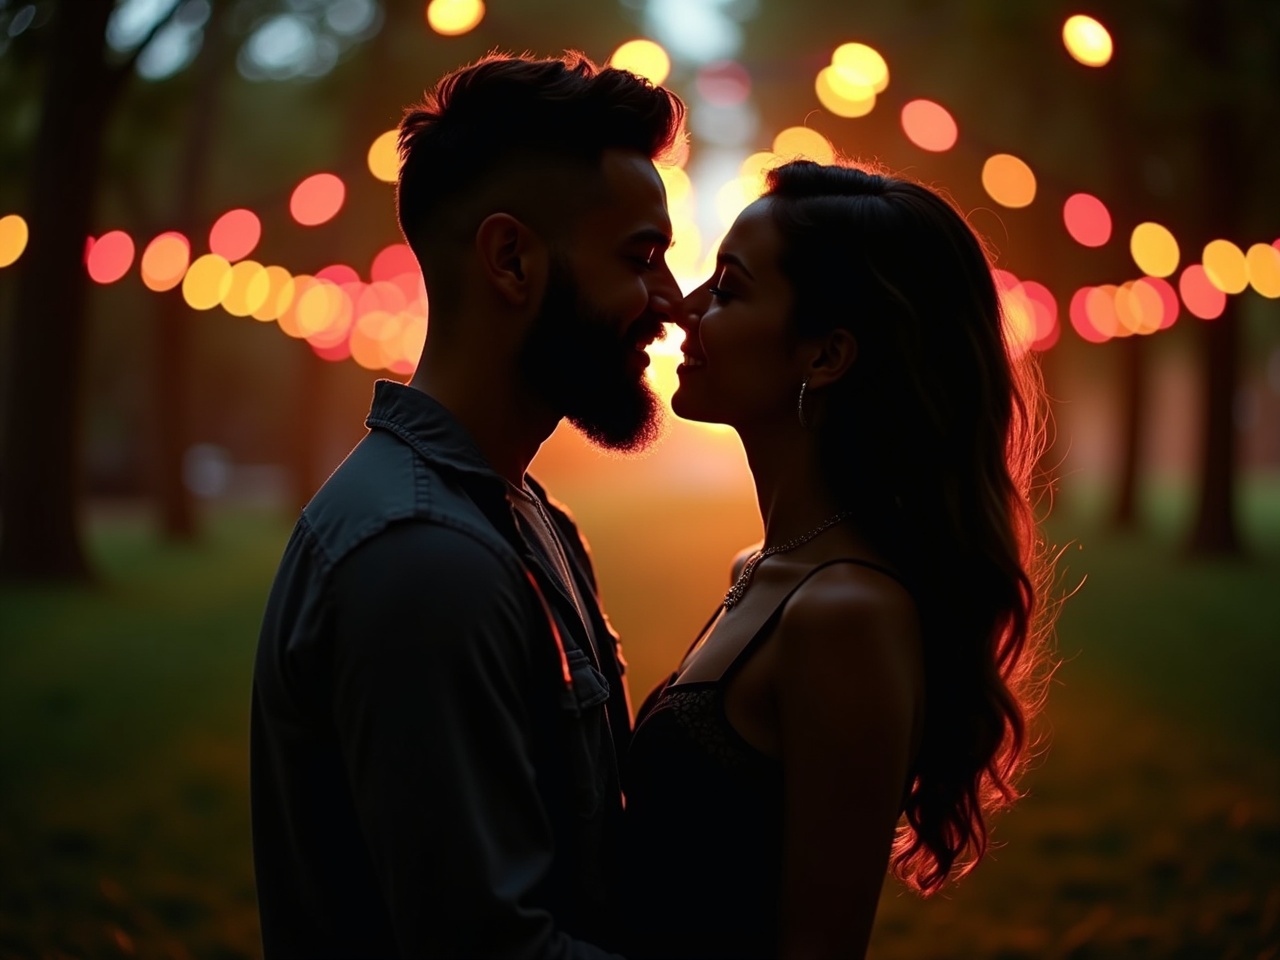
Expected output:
(438, 706)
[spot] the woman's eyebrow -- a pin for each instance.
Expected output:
(729, 259)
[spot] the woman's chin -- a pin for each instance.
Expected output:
(683, 408)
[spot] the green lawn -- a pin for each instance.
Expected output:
(1151, 828)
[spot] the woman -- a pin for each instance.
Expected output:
(863, 691)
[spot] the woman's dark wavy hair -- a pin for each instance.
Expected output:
(932, 437)
(506, 113)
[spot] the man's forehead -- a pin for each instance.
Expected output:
(635, 200)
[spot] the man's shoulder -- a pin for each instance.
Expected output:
(384, 483)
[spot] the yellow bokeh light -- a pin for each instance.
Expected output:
(13, 238)
(452, 18)
(755, 167)
(1263, 262)
(384, 157)
(280, 291)
(843, 97)
(1154, 249)
(679, 188)
(297, 288)
(803, 143)
(863, 65)
(367, 335)
(249, 289)
(644, 58)
(1224, 265)
(1087, 40)
(207, 281)
(1008, 180)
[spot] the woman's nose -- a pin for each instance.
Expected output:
(692, 308)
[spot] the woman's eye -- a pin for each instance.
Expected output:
(719, 294)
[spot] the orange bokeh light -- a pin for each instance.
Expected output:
(110, 256)
(13, 238)
(317, 199)
(452, 18)
(929, 126)
(1087, 219)
(1008, 180)
(165, 261)
(235, 234)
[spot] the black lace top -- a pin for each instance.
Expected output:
(704, 823)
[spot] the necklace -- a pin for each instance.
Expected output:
(744, 579)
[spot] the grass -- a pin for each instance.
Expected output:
(1151, 827)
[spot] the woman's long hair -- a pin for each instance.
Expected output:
(932, 437)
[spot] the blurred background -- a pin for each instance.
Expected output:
(201, 278)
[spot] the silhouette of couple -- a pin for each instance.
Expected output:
(442, 739)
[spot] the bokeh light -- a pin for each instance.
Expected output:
(1139, 308)
(1080, 319)
(1201, 297)
(803, 143)
(1154, 249)
(207, 282)
(734, 197)
(861, 66)
(1225, 266)
(644, 58)
(235, 234)
(724, 83)
(842, 96)
(165, 261)
(1087, 219)
(1087, 40)
(929, 126)
(13, 238)
(384, 156)
(1170, 304)
(1263, 262)
(317, 199)
(1100, 308)
(280, 290)
(110, 256)
(248, 290)
(452, 18)
(1008, 180)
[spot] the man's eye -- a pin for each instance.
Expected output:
(720, 294)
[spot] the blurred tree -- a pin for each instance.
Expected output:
(40, 538)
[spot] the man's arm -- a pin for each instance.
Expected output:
(432, 672)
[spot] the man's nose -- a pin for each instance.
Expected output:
(665, 297)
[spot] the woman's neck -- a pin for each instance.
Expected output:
(791, 493)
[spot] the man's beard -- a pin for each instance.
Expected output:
(575, 360)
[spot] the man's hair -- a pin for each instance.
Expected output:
(513, 134)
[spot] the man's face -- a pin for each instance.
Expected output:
(607, 298)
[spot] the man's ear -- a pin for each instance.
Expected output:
(836, 354)
(512, 258)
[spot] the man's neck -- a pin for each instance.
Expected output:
(505, 423)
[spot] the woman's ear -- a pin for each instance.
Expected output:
(836, 354)
(512, 259)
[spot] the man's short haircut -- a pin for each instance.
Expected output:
(518, 135)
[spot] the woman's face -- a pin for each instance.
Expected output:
(739, 361)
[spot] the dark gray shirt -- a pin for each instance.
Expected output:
(436, 714)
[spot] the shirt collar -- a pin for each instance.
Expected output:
(428, 427)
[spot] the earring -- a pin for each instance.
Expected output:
(800, 405)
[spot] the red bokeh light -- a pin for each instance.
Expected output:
(109, 257)
(317, 199)
(1202, 298)
(1087, 219)
(929, 126)
(235, 234)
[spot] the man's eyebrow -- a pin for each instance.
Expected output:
(731, 260)
(650, 235)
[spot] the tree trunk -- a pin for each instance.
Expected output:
(1133, 404)
(173, 319)
(40, 486)
(1222, 175)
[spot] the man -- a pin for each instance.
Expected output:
(438, 701)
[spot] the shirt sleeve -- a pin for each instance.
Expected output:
(432, 670)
